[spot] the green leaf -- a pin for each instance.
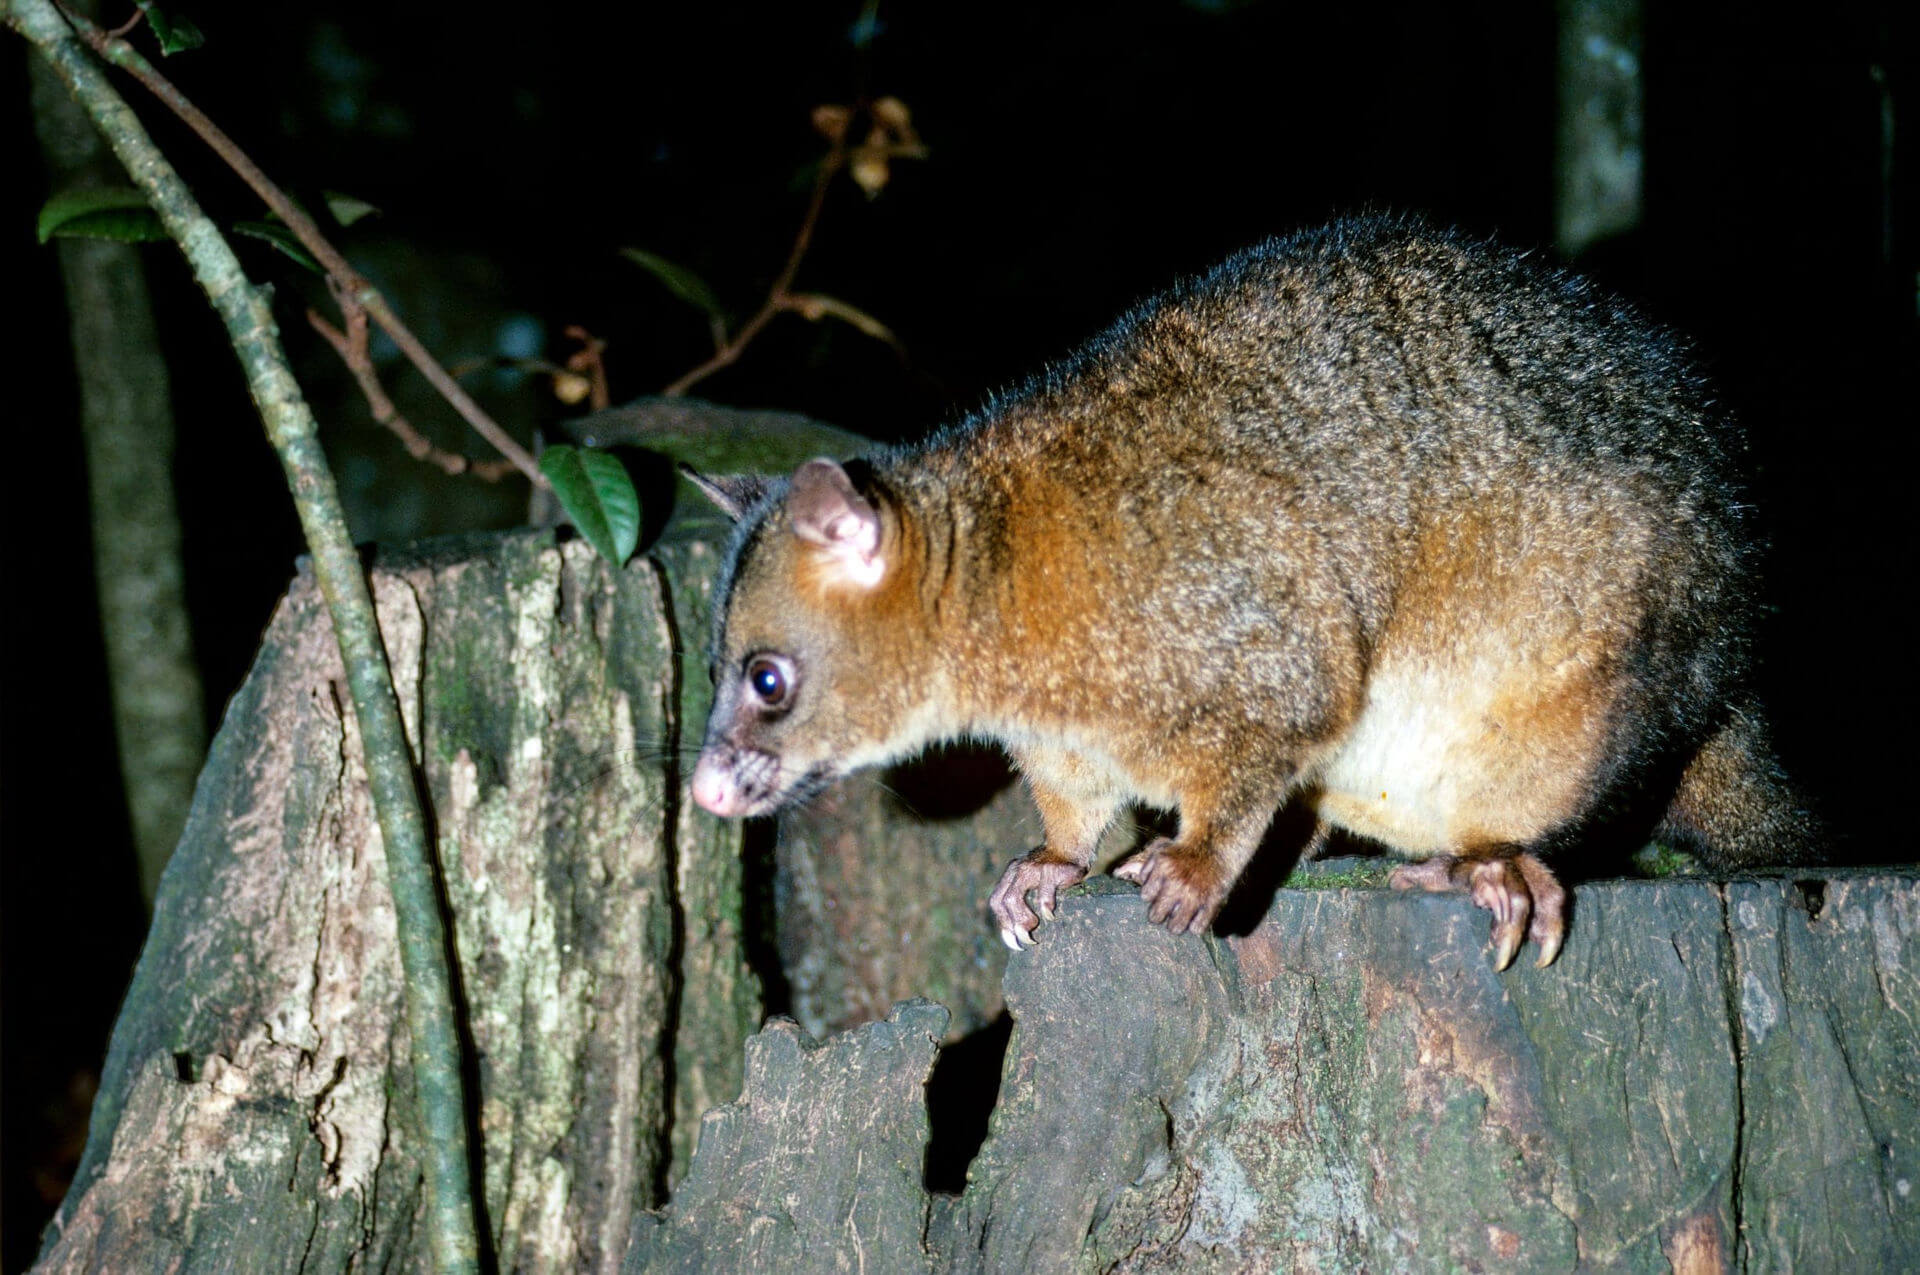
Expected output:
(680, 281)
(100, 212)
(346, 209)
(598, 498)
(277, 234)
(175, 33)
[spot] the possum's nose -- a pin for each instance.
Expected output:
(715, 788)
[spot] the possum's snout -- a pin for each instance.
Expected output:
(717, 785)
(739, 783)
(742, 783)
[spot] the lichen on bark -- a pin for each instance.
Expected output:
(537, 685)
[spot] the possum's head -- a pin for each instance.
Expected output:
(814, 672)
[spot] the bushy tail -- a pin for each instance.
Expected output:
(1736, 807)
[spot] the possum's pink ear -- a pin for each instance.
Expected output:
(735, 494)
(827, 511)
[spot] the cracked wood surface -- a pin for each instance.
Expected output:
(1713, 1077)
(255, 1112)
(817, 1165)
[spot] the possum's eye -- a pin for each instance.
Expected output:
(770, 678)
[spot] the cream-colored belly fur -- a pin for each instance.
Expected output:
(1449, 755)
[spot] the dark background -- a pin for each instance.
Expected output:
(1081, 156)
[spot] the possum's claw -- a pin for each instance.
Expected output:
(1523, 895)
(1182, 890)
(1045, 874)
(1548, 929)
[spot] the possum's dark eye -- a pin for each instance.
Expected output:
(770, 678)
(767, 682)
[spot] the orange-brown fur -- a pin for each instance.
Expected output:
(1442, 541)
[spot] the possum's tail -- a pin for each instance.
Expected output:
(1736, 806)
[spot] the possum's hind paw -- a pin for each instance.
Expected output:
(1182, 889)
(1520, 891)
(1046, 874)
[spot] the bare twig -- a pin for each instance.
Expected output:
(778, 298)
(890, 137)
(351, 346)
(347, 281)
(481, 362)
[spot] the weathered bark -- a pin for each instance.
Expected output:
(600, 920)
(882, 885)
(1712, 1077)
(256, 1111)
(718, 1000)
(719, 997)
(817, 1166)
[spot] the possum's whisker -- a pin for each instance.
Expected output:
(645, 755)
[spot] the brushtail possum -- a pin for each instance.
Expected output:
(1438, 539)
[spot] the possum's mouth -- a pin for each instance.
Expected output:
(744, 783)
(811, 784)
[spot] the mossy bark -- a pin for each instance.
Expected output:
(881, 888)
(1713, 1077)
(717, 997)
(256, 1110)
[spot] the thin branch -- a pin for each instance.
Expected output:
(482, 362)
(589, 361)
(424, 951)
(344, 278)
(351, 346)
(778, 296)
(890, 137)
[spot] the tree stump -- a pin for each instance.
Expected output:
(1713, 1076)
(256, 1107)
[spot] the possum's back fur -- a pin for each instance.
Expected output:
(1436, 536)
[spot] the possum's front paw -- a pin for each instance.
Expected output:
(1523, 895)
(1046, 874)
(1183, 888)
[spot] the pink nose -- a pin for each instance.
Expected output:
(713, 787)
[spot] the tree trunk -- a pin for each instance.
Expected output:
(126, 421)
(257, 1110)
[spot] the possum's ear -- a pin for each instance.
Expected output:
(733, 493)
(826, 511)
